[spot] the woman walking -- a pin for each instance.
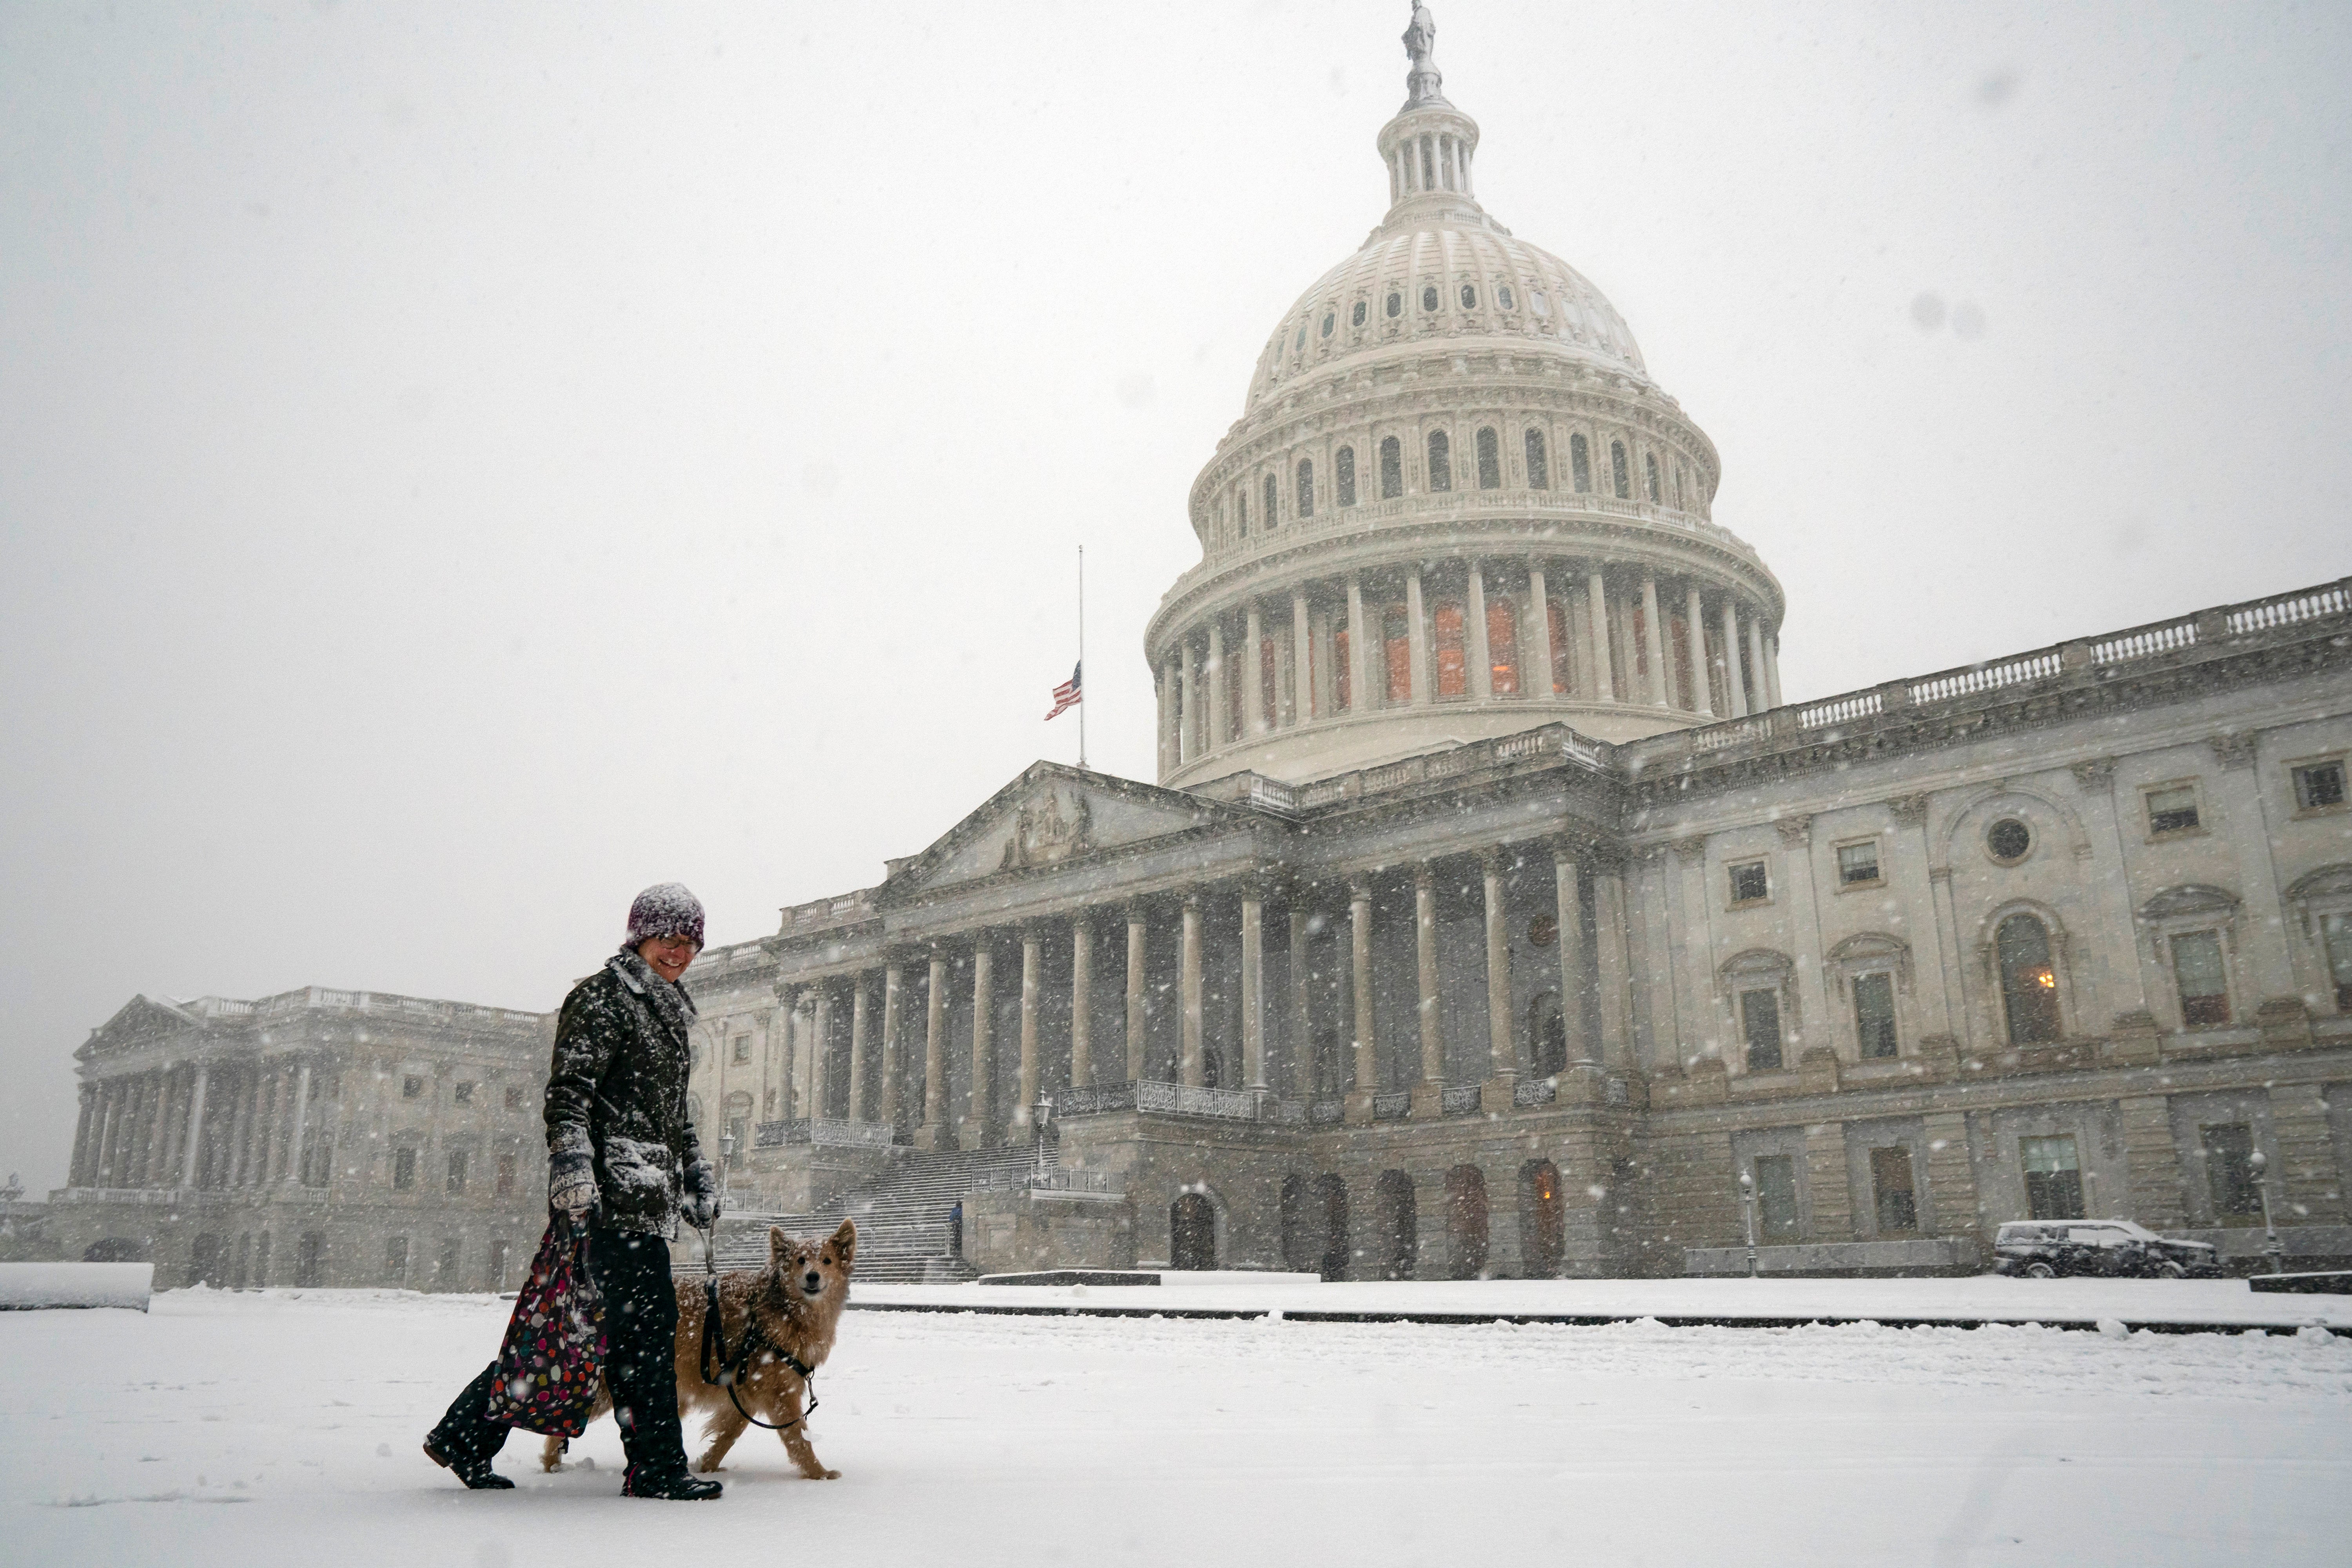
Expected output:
(622, 1154)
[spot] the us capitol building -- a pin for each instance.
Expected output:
(1492, 913)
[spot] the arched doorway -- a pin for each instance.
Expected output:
(1466, 1223)
(1331, 1206)
(1298, 1249)
(1542, 1219)
(1395, 1233)
(1193, 1232)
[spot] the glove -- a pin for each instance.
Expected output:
(700, 1207)
(572, 1188)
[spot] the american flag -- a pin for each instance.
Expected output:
(1070, 694)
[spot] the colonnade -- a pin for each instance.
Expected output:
(148, 1130)
(1535, 628)
(884, 1028)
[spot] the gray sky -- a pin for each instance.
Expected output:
(459, 463)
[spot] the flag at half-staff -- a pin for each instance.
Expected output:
(1070, 693)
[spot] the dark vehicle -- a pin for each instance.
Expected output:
(2044, 1249)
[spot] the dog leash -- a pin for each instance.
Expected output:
(714, 1340)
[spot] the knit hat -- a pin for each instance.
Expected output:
(666, 908)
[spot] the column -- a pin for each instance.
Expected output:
(1534, 652)
(1772, 668)
(1254, 671)
(101, 1164)
(1032, 987)
(1569, 914)
(1733, 686)
(1654, 644)
(934, 1135)
(193, 1154)
(76, 1169)
(1164, 728)
(1502, 1047)
(1695, 634)
(894, 1045)
(2237, 789)
(1416, 636)
(1360, 693)
(860, 985)
(1360, 943)
(820, 1053)
(1762, 696)
(1426, 1094)
(297, 1164)
(1253, 987)
(1302, 656)
(1302, 1008)
(1194, 1074)
(1812, 1027)
(1221, 688)
(1136, 969)
(1082, 1001)
(240, 1127)
(973, 1132)
(1188, 728)
(1604, 678)
(1482, 663)
(1616, 979)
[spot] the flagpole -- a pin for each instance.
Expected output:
(1082, 655)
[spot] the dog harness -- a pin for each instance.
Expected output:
(728, 1375)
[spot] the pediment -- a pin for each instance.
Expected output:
(140, 1020)
(1050, 815)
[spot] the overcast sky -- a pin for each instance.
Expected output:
(461, 463)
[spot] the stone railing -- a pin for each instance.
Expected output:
(319, 997)
(1096, 1099)
(1529, 1092)
(1393, 1107)
(2083, 661)
(1547, 740)
(1183, 1100)
(1326, 1111)
(1459, 1099)
(845, 908)
(1053, 1181)
(824, 1131)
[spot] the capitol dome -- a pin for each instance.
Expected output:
(1455, 506)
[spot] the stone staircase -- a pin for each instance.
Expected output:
(902, 1216)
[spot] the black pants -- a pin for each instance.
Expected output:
(640, 1335)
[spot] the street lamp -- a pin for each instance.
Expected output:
(1043, 1114)
(2273, 1248)
(1748, 1214)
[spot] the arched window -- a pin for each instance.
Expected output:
(1392, 468)
(1357, 318)
(1490, 458)
(1441, 462)
(1329, 321)
(1503, 646)
(1650, 464)
(1469, 298)
(1273, 494)
(1539, 463)
(1302, 335)
(1503, 296)
(1453, 658)
(1579, 464)
(1306, 488)
(1429, 298)
(1343, 469)
(2028, 981)
(1396, 304)
(1619, 479)
(1396, 640)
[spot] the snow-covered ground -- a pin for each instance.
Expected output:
(282, 1427)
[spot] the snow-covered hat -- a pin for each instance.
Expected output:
(666, 908)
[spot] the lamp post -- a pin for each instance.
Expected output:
(2273, 1248)
(1748, 1214)
(726, 1163)
(1043, 1114)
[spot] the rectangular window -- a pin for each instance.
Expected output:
(411, 1089)
(2196, 964)
(463, 1094)
(742, 1048)
(1890, 1184)
(514, 1098)
(2319, 786)
(2172, 809)
(395, 1259)
(1857, 863)
(2053, 1177)
(403, 1170)
(1749, 883)
(506, 1179)
(456, 1170)
(2230, 1170)
(445, 1268)
(1759, 1022)
(1776, 1200)
(1874, 1013)
(739, 1133)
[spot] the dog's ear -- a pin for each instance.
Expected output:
(779, 1246)
(845, 1239)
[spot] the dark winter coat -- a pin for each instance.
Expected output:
(616, 1097)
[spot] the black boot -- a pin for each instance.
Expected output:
(472, 1469)
(677, 1486)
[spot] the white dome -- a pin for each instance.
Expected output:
(1483, 284)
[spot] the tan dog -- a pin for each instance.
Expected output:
(795, 1303)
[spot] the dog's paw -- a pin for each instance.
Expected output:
(832, 1475)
